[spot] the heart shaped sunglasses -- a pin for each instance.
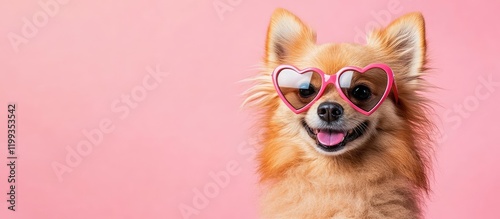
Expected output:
(363, 88)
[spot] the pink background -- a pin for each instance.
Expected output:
(89, 53)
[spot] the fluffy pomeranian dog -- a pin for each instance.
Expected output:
(346, 126)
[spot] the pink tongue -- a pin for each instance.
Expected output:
(328, 138)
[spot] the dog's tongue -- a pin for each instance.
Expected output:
(329, 138)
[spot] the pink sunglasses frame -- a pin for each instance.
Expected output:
(328, 79)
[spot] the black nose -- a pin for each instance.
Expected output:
(329, 111)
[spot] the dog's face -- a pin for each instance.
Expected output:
(331, 126)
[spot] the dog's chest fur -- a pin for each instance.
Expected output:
(302, 193)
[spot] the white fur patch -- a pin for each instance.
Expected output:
(405, 40)
(285, 29)
(409, 35)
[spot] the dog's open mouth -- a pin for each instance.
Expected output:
(332, 140)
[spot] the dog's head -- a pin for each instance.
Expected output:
(331, 125)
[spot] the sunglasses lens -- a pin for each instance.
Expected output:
(298, 89)
(365, 90)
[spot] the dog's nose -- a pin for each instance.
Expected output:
(329, 111)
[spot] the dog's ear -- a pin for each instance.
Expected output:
(403, 39)
(287, 35)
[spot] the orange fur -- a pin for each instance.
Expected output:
(384, 174)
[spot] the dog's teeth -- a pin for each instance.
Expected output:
(316, 131)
